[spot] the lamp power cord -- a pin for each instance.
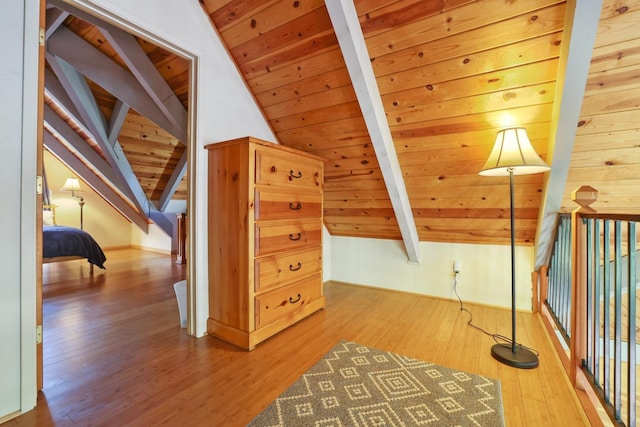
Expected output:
(498, 338)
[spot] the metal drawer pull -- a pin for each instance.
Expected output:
(295, 207)
(293, 175)
(292, 268)
(292, 237)
(292, 301)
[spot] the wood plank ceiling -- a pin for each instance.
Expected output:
(449, 74)
(606, 152)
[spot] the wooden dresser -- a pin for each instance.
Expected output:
(265, 239)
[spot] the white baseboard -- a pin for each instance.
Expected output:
(158, 250)
(115, 248)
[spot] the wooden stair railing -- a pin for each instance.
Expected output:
(582, 295)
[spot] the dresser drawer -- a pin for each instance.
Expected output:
(273, 271)
(280, 169)
(274, 237)
(280, 302)
(272, 205)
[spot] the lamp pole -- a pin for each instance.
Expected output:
(513, 263)
(81, 203)
(518, 357)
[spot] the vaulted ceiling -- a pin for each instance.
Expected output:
(116, 113)
(401, 98)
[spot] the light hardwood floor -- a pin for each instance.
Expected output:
(115, 353)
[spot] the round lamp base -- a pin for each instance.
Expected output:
(521, 358)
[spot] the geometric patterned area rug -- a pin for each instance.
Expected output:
(355, 385)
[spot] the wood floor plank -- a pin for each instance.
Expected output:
(115, 353)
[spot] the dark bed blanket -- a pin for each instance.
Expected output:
(68, 241)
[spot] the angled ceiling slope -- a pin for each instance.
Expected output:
(449, 74)
(116, 113)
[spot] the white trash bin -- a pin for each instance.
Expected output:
(180, 289)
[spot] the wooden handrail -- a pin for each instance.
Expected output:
(584, 197)
(612, 217)
(591, 249)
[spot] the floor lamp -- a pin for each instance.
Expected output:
(513, 154)
(73, 185)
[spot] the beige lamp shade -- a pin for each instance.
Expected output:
(513, 153)
(71, 184)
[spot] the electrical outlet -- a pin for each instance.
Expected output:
(456, 267)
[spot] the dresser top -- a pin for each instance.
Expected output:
(257, 141)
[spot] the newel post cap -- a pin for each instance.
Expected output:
(585, 196)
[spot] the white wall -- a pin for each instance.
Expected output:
(10, 135)
(155, 240)
(485, 276)
(326, 254)
(18, 136)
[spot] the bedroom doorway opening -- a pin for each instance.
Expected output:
(149, 172)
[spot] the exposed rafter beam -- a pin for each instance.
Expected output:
(144, 88)
(151, 80)
(82, 97)
(581, 26)
(99, 68)
(174, 181)
(56, 91)
(115, 124)
(142, 68)
(161, 221)
(354, 50)
(79, 145)
(99, 164)
(97, 184)
(139, 64)
(54, 88)
(118, 116)
(55, 18)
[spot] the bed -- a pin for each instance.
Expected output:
(61, 243)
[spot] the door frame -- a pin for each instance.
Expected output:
(133, 29)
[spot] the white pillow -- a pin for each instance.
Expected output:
(47, 218)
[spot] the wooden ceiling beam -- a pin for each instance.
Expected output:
(174, 181)
(117, 119)
(110, 76)
(149, 78)
(55, 18)
(349, 33)
(141, 67)
(78, 144)
(142, 88)
(58, 92)
(119, 161)
(118, 116)
(581, 26)
(82, 97)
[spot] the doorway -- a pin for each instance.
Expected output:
(151, 161)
